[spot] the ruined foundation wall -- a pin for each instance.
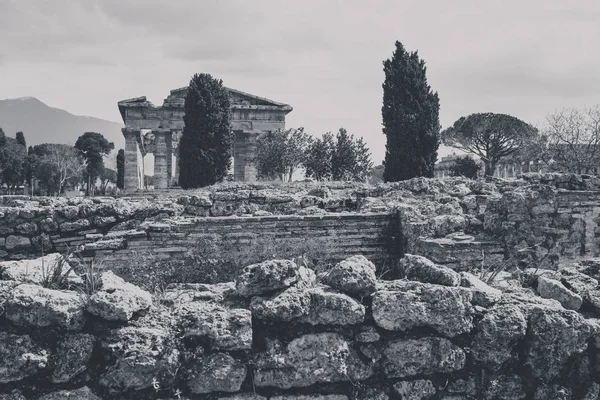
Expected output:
(280, 332)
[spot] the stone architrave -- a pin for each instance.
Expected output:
(251, 116)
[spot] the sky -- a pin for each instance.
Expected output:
(323, 57)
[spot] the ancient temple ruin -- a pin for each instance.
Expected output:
(157, 130)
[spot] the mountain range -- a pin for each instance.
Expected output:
(41, 123)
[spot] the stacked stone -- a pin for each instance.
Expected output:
(284, 332)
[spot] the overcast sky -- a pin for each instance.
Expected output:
(323, 57)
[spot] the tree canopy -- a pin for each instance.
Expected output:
(465, 167)
(489, 136)
(93, 146)
(410, 114)
(572, 140)
(57, 166)
(280, 153)
(206, 142)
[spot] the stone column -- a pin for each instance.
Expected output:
(239, 155)
(131, 178)
(250, 172)
(169, 141)
(160, 160)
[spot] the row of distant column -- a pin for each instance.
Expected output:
(244, 154)
(163, 160)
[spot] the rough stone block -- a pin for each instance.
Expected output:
(448, 310)
(425, 356)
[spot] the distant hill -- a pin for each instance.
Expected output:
(44, 124)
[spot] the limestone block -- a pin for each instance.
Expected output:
(554, 392)
(19, 357)
(17, 242)
(117, 300)
(553, 336)
(483, 294)
(367, 334)
(311, 397)
(216, 373)
(421, 389)
(424, 356)
(553, 289)
(314, 306)
(14, 395)
(354, 275)
(142, 354)
(310, 359)
(72, 355)
(84, 393)
(497, 333)
(75, 226)
(224, 328)
(27, 228)
(270, 276)
(33, 306)
(418, 268)
(506, 387)
(413, 305)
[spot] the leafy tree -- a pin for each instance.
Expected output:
(107, 176)
(205, 146)
(280, 153)
(573, 140)
(339, 158)
(489, 136)
(57, 166)
(21, 139)
(14, 157)
(351, 159)
(465, 167)
(121, 169)
(319, 156)
(410, 114)
(93, 147)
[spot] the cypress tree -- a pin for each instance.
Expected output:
(205, 146)
(410, 115)
(21, 139)
(121, 169)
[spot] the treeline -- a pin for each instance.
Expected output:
(53, 167)
(341, 157)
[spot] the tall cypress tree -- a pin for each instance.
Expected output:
(205, 146)
(121, 169)
(21, 139)
(410, 117)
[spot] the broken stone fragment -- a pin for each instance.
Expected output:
(421, 269)
(117, 300)
(507, 387)
(271, 276)
(483, 294)
(37, 270)
(425, 356)
(411, 305)
(33, 306)
(553, 289)
(354, 275)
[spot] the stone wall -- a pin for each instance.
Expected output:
(280, 332)
(459, 223)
